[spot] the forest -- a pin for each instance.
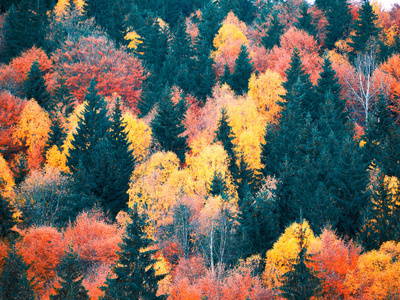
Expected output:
(199, 149)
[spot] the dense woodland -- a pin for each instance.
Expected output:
(197, 149)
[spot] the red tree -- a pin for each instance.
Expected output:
(96, 57)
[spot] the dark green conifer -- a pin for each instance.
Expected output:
(7, 221)
(62, 99)
(167, 126)
(305, 21)
(382, 140)
(150, 95)
(301, 282)
(339, 21)
(244, 67)
(225, 135)
(274, 32)
(226, 76)
(365, 28)
(57, 133)
(14, 283)
(135, 276)
(71, 277)
(218, 185)
(24, 27)
(35, 86)
(382, 218)
(209, 24)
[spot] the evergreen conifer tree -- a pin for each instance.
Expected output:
(225, 135)
(24, 27)
(14, 283)
(57, 133)
(62, 100)
(226, 76)
(301, 282)
(35, 86)
(365, 28)
(7, 221)
(218, 185)
(305, 21)
(339, 21)
(382, 140)
(167, 126)
(71, 277)
(274, 32)
(152, 92)
(244, 67)
(135, 276)
(382, 218)
(209, 24)
(99, 169)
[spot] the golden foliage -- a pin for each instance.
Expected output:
(6, 178)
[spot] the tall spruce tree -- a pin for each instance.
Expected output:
(274, 32)
(244, 67)
(134, 273)
(167, 126)
(365, 28)
(315, 158)
(225, 135)
(25, 26)
(71, 276)
(382, 218)
(339, 21)
(7, 222)
(382, 140)
(35, 86)
(305, 21)
(14, 283)
(99, 158)
(301, 282)
(209, 24)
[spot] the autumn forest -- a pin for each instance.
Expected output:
(199, 149)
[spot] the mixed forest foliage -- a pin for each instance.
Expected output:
(199, 149)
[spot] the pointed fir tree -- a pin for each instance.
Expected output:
(382, 140)
(274, 32)
(134, 273)
(57, 133)
(71, 276)
(151, 93)
(244, 67)
(7, 221)
(301, 282)
(218, 185)
(124, 160)
(167, 126)
(24, 27)
(226, 76)
(225, 135)
(382, 218)
(62, 99)
(35, 86)
(305, 21)
(323, 5)
(209, 24)
(365, 28)
(14, 283)
(339, 22)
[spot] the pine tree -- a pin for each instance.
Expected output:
(62, 99)
(209, 24)
(35, 86)
(382, 218)
(135, 276)
(301, 282)
(98, 174)
(226, 76)
(167, 126)
(305, 21)
(323, 5)
(7, 221)
(218, 185)
(365, 28)
(382, 140)
(274, 32)
(152, 92)
(71, 277)
(225, 135)
(124, 159)
(339, 21)
(57, 133)
(14, 283)
(98, 9)
(24, 27)
(239, 80)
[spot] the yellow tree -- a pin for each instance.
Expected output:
(283, 252)
(266, 90)
(32, 131)
(6, 178)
